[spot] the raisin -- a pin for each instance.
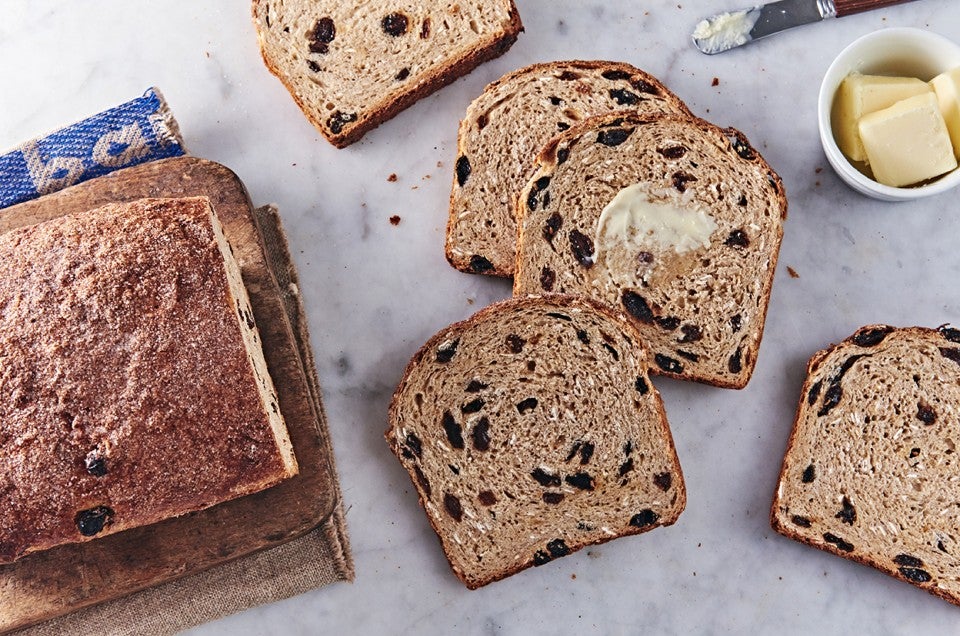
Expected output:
(558, 548)
(645, 258)
(338, 120)
(453, 506)
(951, 334)
(394, 24)
(672, 152)
(95, 464)
(847, 514)
(473, 406)
(538, 186)
(515, 343)
(582, 248)
(540, 557)
(668, 364)
(907, 560)
(803, 522)
(568, 76)
(742, 147)
(735, 364)
(552, 225)
(831, 398)
(402, 75)
(562, 153)
(668, 322)
(691, 333)
(636, 305)
(453, 430)
(559, 316)
(644, 518)
(487, 498)
(614, 136)
(926, 414)
(462, 168)
(556, 101)
(323, 33)
(628, 448)
(641, 386)
(871, 337)
(743, 201)
(547, 279)
(476, 386)
(573, 451)
(447, 350)
(663, 481)
(736, 322)
(454, 469)
(583, 481)
(480, 264)
(737, 238)
(552, 497)
(526, 405)
(91, 522)
(688, 355)
(914, 452)
(425, 29)
(837, 541)
(561, 126)
(583, 337)
(950, 354)
(615, 75)
(916, 575)
(644, 87)
(612, 351)
(414, 444)
(422, 480)
(681, 179)
(481, 434)
(313, 66)
(626, 467)
(544, 478)
(623, 97)
(586, 452)
(809, 474)
(814, 392)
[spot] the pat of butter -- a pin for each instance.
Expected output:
(947, 87)
(860, 95)
(908, 142)
(634, 217)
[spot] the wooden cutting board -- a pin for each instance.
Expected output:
(58, 581)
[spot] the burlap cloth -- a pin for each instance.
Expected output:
(318, 558)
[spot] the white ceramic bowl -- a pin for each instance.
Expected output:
(900, 51)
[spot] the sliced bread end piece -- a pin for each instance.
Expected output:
(689, 251)
(350, 66)
(870, 468)
(531, 430)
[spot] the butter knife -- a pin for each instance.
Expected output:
(725, 31)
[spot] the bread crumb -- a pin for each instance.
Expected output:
(715, 82)
(470, 301)
(573, 577)
(439, 164)
(793, 273)
(392, 178)
(395, 219)
(818, 170)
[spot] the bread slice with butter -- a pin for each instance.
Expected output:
(870, 468)
(530, 431)
(134, 387)
(673, 221)
(507, 125)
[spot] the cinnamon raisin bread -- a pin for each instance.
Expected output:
(353, 65)
(675, 222)
(133, 387)
(870, 472)
(504, 129)
(532, 430)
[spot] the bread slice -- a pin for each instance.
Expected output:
(133, 386)
(531, 430)
(870, 472)
(692, 268)
(504, 129)
(353, 65)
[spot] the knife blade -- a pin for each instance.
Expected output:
(725, 31)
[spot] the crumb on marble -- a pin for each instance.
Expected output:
(395, 219)
(715, 82)
(470, 301)
(793, 273)
(818, 170)
(392, 178)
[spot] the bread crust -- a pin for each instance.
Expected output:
(731, 141)
(560, 301)
(502, 256)
(386, 109)
(780, 524)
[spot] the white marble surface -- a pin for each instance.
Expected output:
(376, 291)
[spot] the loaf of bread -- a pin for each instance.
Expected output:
(353, 65)
(504, 129)
(673, 221)
(530, 431)
(870, 472)
(133, 386)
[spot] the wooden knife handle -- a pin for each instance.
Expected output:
(849, 7)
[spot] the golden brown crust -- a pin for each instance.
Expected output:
(131, 394)
(370, 119)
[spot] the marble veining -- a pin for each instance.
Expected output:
(375, 291)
